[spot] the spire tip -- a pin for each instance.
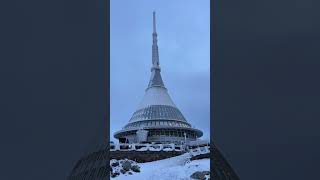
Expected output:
(154, 21)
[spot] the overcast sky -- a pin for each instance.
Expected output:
(183, 28)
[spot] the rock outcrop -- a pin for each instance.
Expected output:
(126, 166)
(202, 175)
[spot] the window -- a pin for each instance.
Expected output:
(174, 133)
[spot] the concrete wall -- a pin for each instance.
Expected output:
(141, 157)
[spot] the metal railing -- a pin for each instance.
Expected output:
(146, 147)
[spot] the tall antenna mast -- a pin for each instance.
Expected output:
(155, 53)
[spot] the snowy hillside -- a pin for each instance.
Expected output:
(175, 168)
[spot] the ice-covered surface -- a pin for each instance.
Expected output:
(175, 168)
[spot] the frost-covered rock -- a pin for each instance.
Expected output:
(114, 164)
(123, 171)
(114, 174)
(123, 167)
(200, 175)
(126, 165)
(135, 168)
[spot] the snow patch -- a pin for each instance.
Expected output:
(175, 168)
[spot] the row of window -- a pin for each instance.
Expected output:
(157, 123)
(172, 133)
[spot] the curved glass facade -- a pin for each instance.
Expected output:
(154, 112)
(156, 123)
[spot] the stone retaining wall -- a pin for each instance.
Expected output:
(145, 156)
(200, 156)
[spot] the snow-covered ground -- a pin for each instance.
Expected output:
(175, 168)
